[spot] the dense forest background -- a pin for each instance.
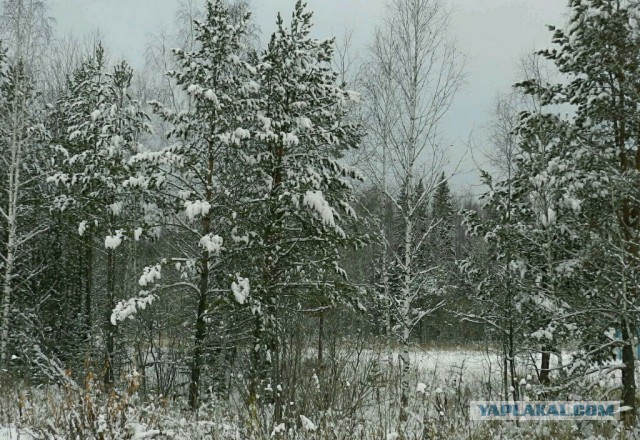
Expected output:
(229, 221)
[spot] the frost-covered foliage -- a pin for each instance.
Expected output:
(200, 172)
(527, 274)
(297, 212)
(99, 129)
(597, 53)
(254, 175)
(562, 228)
(216, 283)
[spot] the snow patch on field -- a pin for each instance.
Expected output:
(437, 366)
(12, 433)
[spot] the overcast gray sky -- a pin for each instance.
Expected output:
(493, 34)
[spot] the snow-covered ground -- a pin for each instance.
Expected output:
(13, 433)
(442, 383)
(439, 367)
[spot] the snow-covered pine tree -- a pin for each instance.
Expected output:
(528, 275)
(489, 271)
(299, 214)
(73, 202)
(437, 256)
(442, 216)
(97, 182)
(550, 233)
(598, 55)
(70, 278)
(202, 172)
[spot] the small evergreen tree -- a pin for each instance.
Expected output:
(202, 169)
(95, 175)
(299, 212)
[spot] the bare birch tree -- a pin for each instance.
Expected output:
(416, 71)
(24, 28)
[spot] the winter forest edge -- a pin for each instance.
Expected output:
(255, 239)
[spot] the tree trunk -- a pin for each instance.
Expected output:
(110, 329)
(628, 376)
(544, 368)
(88, 292)
(276, 366)
(320, 339)
(385, 287)
(12, 231)
(255, 360)
(505, 370)
(196, 366)
(7, 290)
(512, 365)
(406, 370)
(201, 328)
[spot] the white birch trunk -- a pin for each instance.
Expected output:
(12, 230)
